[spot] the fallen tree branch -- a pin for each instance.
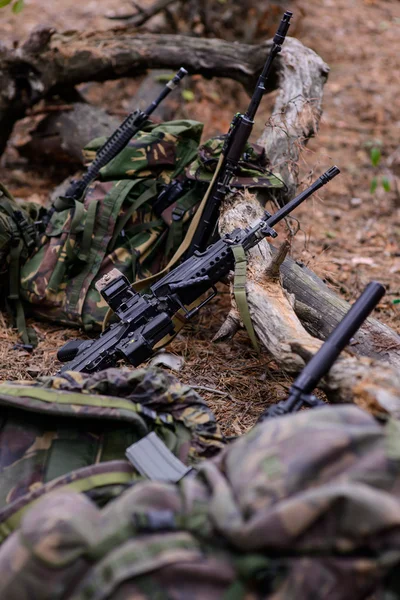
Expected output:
(49, 61)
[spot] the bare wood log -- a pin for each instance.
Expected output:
(320, 310)
(296, 113)
(71, 58)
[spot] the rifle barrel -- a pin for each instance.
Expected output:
(285, 210)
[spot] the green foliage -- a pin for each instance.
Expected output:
(188, 95)
(375, 155)
(386, 184)
(16, 7)
(373, 185)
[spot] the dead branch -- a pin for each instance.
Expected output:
(142, 15)
(66, 59)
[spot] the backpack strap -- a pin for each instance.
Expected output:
(116, 472)
(22, 234)
(145, 283)
(239, 290)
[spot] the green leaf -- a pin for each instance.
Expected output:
(386, 184)
(17, 6)
(164, 77)
(330, 234)
(396, 301)
(373, 185)
(375, 155)
(188, 95)
(4, 3)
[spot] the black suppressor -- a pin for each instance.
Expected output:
(322, 361)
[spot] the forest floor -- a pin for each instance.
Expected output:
(349, 234)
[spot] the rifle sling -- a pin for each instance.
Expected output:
(144, 283)
(239, 290)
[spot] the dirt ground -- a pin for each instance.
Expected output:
(349, 234)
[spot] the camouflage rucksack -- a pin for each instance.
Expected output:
(302, 507)
(71, 432)
(18, 237)
(127, 220)
(115, 226)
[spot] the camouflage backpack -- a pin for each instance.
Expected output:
(127, 220)
(18, 237)
(302, 507)
(71, 432)
(115, 226)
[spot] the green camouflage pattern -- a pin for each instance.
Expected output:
(10, 236)
(305, 506)
(157, 150)
(115, 227)
(252, 170)
(71, 431)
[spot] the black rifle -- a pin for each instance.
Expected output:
(322, 361)
(234, 146)
(113, 146)
(147, 319)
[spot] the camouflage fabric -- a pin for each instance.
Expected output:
(114, 227)
(252, 171)
(11, 236)
(305, 506)
(18, 236)
(71, 431)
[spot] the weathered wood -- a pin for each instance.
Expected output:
(281, 332)
(320, 309)
(296, 113)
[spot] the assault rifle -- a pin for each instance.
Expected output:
(320, 364)
(234, 146)
(147, 319)
(113, 146)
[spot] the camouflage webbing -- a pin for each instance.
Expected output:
(71, 432)
(145, 283)
(179, 321)
(306, 506)
(239, 290)
(13, 250)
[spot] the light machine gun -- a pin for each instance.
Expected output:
(300, 393)
(147, 319)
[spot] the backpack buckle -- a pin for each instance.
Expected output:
(27, 230)
(178, 213)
